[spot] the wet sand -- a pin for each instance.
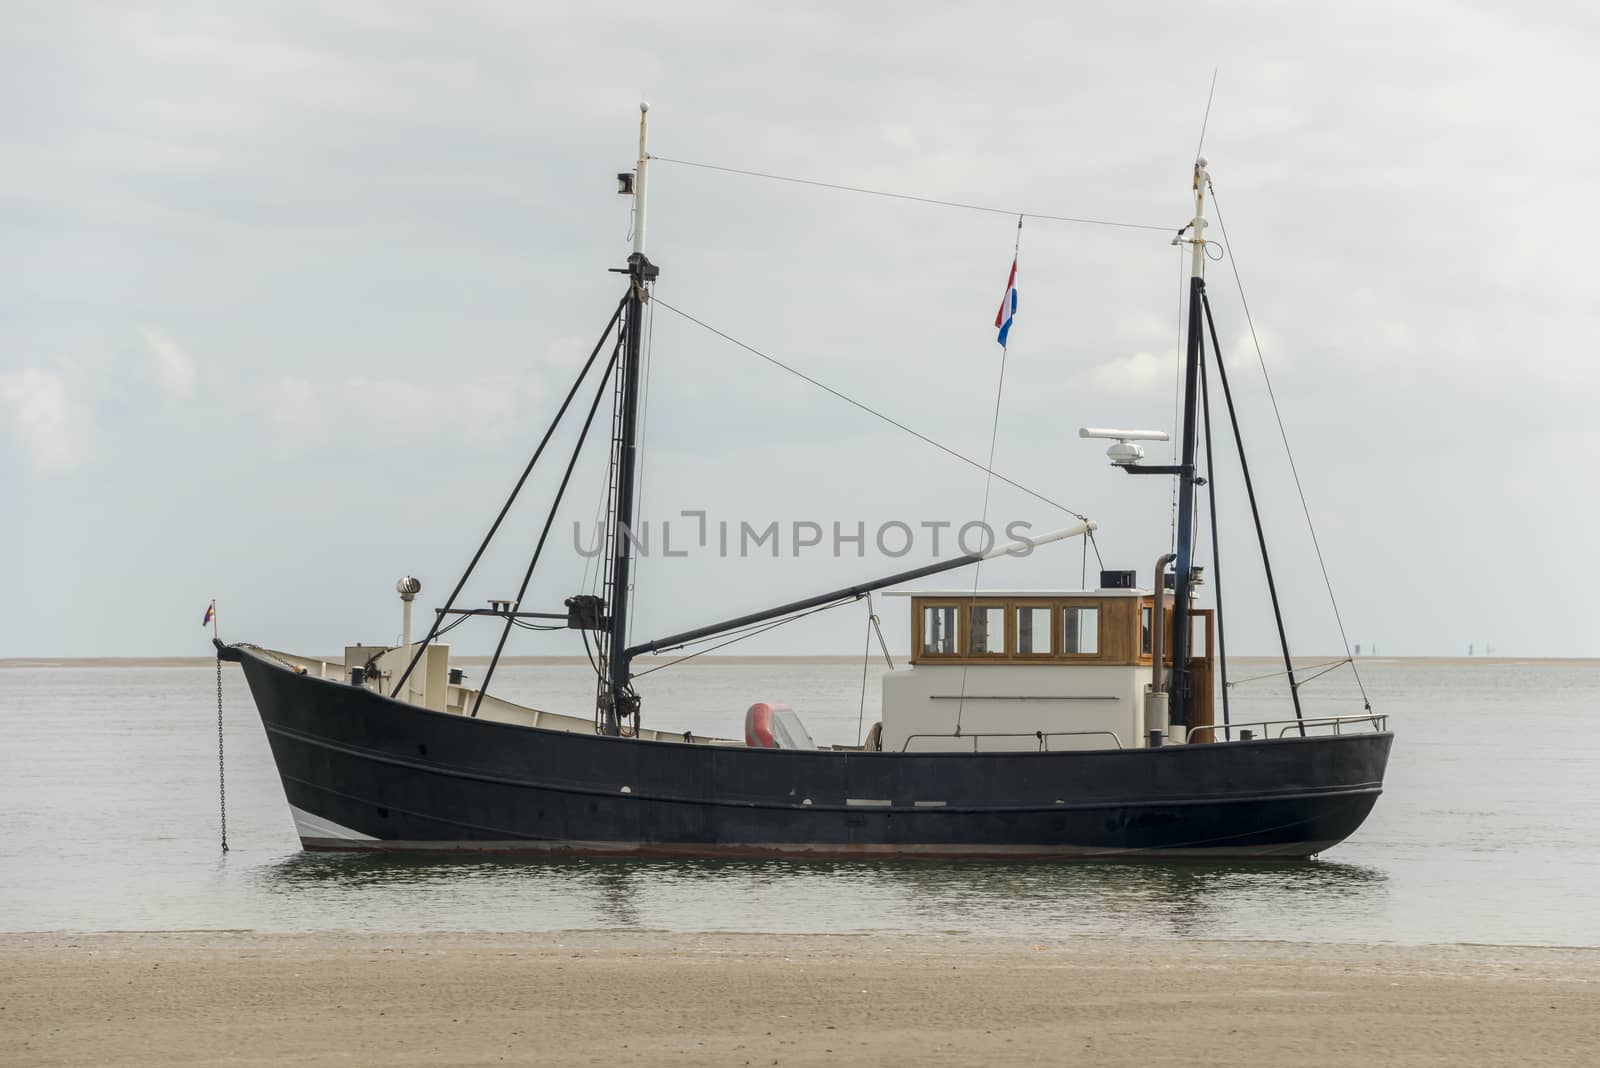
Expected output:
(647, 998)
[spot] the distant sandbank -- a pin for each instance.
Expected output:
(649, 998)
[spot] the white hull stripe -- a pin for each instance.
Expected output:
(310, 826)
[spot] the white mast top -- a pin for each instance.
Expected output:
(638, 182)
(1197, 229)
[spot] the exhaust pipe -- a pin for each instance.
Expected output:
(1155, 701)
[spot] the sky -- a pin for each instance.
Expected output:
(292, 290)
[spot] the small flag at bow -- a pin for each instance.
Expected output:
(1008, 306)
(211, 610)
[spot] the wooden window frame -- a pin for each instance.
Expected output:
(1050, 607)
(1116, 635)
(1006, 626)
(1145, 645)
(1204, 617)
(958, 640)
(1062, 606)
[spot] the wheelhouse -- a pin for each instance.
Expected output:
(997, 670)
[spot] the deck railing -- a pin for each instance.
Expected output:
(1379, 721)
(1332, 724)
(1043, 737)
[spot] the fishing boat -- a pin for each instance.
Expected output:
(1025, 723)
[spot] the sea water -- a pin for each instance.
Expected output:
(1486, 832)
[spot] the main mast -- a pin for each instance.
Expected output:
(617, 699)
(1182, 698)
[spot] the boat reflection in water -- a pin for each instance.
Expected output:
(1150, 899)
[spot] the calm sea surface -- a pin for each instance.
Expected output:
(1487, 831)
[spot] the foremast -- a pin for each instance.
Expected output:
(617, 704)
(1181, 699)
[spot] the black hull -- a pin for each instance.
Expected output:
(363, 772)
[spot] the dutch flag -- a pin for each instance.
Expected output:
(1008, 306)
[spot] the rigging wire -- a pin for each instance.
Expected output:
(1331, 665)
(908, 196)
(525, 625)
(757, 629)
(1177, 368)
(1283, 434)
(1250, 497)
(873, 628)
(877, 628)
(988, 481)
(866, 660)
(1206, 121)
(588, 652)
(538, 549)
(587, 582)
(447, 627)
(601, 528)
(1177, 396)
(606, 538)
(871, 411)
(638, 482)
(1326, 670)
(511, 499)
(1216, 543)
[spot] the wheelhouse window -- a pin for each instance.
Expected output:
(1080, 630)
(1035, 628)
(1034, 637)
(939, 630)
(986, 630)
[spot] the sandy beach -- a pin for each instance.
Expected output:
(581, 998)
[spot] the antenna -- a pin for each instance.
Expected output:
(1206, 121)
(1125, 452)
(632, 183)
(639, 182)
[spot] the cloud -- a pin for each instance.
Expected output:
(568, 352)
(168, 364)
(1153, 375)
(481, 413)
(1241, 353)
(416, 206)
(294, 414)
(1137, 373)
(51, 425)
